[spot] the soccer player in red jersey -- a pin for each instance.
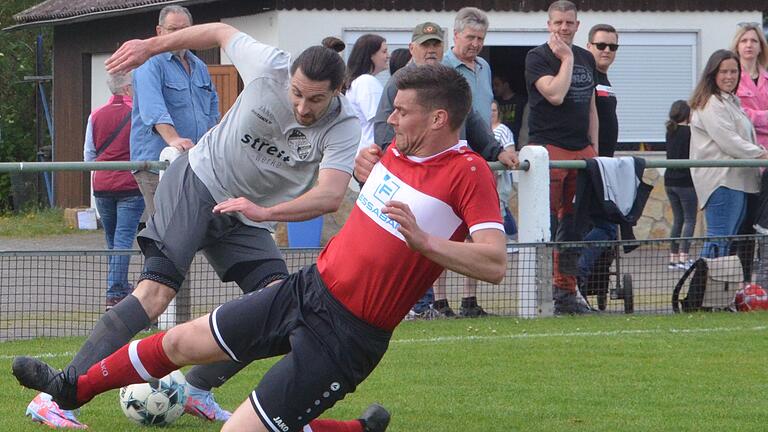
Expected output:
(333, 320)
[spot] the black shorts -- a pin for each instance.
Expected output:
(329, 350)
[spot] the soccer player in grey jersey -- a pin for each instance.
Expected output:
(283, 152)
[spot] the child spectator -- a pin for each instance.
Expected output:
(679, 185)
(505, 137)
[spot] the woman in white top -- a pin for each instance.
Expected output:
(720, 131)
(504, 136)
(368, 57)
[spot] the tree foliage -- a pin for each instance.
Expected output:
(17, 97)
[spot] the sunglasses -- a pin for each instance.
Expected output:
(602, 46)
(750, 24)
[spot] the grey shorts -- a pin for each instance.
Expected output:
(184, 223)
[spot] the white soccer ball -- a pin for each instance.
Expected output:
(157, 404)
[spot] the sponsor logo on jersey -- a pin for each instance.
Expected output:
(432, 215)
(266, 114)
(299, 142)
(265, 147)
(387, 189)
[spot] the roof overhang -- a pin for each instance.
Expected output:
(104, 13)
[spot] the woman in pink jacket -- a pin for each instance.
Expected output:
(749, 42)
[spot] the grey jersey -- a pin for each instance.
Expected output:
(259, 151)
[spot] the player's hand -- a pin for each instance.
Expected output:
(509, 158)
(415, 237)
(559, 48)
(181, 144)
(250, 210)
(365, 160)
(129, 56)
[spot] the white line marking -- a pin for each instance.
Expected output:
(503, 337)
(579, 334)
(43, 355)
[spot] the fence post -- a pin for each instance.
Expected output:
(534, 285)
(180, 308)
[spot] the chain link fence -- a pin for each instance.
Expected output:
(55, 294)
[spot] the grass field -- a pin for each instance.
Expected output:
(700, 372)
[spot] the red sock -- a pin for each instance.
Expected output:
(135, 362)
(327, 425)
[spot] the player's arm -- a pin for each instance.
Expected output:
(135, 52)
(594, 123)
(325, 197)
(485, 258)
(555, 87)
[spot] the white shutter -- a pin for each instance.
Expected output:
(647, 78)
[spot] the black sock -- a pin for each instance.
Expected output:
(469, 302)
(206, 377)
(114, 329)
(440, 304)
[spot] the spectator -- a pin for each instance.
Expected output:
(426, 47)
(504, 178)
(469, 29)
(679, 185)
(720, 131)
(224, 195)
(511, 106)
(563, 118)
(175, 103)
(750, 44)
(397, 59)
(368, 58)
(118, 198)
(334, 43)
(603, 44)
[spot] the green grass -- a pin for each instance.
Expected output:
(700, 372)
(34, 223)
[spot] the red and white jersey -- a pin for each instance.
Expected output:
(369, 267)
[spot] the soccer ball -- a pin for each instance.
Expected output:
(157, 404)
(751, 297)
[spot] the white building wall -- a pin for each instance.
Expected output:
(295, 30)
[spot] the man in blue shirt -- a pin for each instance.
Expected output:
(174, 104)
(469, 31)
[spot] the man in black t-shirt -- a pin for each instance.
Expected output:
(563, 118)
(603, 43)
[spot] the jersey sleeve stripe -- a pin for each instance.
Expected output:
(486, 225)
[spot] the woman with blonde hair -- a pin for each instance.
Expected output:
(750, 44)
(720, 130)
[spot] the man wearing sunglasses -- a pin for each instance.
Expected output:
(603, 44)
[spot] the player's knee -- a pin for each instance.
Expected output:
(255, 275)
(158, 267)
(154, 297)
